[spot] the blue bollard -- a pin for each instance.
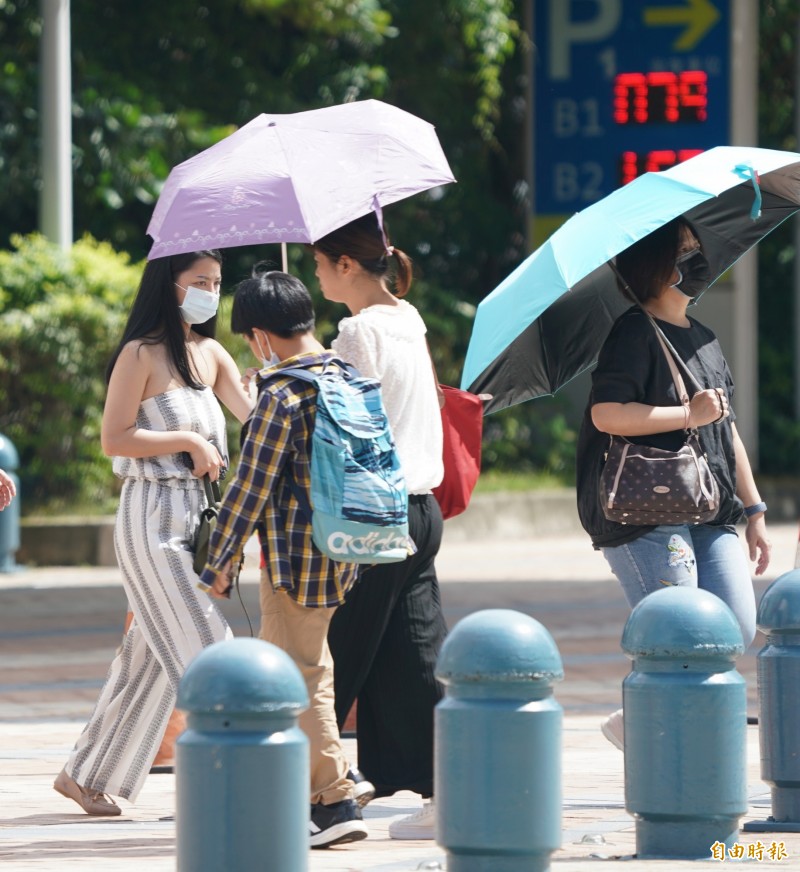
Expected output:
(685, 713)
(9, 517)
(497, 747)
(779, 703)
(242, 769)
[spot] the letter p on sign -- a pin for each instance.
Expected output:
(564, 31)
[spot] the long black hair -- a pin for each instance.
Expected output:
(155, 317)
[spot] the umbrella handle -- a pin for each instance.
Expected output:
(284, 258)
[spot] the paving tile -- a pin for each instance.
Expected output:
(59, 628)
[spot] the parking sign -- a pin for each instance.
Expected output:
(622, 87)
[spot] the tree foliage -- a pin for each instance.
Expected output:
(778, 423)
(156, 83)
(153, 84)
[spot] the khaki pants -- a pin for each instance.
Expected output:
(303, 634)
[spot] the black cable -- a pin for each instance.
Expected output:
(239, 594)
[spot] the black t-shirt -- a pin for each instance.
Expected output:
(631, 368)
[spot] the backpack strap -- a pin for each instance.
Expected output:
(310, 377)
(300, 495)
(303, 374)
(307, 375)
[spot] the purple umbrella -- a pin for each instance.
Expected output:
(295, 178)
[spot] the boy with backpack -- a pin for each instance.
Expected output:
(301, 586)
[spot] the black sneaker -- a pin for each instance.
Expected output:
(364, 790)
(336, 824)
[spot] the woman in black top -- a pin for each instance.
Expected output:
(633, 395)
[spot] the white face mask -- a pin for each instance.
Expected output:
(267, 361)
(198, 305)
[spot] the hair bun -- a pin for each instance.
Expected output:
(261, 268)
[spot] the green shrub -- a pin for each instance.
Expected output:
(36, 269)
(533, 437)
(62, 315)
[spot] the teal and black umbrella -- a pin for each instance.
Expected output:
(546, 322)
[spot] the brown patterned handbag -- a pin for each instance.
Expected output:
(647, 486)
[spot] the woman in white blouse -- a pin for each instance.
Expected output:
(386, 637)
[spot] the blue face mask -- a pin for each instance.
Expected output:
(198, 306)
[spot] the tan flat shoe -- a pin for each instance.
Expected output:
(91, 801)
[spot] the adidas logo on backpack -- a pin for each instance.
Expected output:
(359, 501)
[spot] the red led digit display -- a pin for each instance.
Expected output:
(661, 97)
(658, 98)
(633, 164)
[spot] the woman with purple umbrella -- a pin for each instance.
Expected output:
(386, 637)
(634, 396)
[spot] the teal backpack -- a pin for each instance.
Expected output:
(359, 502)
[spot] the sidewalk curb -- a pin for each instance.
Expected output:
(88, 540)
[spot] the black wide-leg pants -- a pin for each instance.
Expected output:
(385, 639)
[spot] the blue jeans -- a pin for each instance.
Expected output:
(703, 556)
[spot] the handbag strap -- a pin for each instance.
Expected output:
(213, 494)
(439, 392)
(672, 354)
(675, 372)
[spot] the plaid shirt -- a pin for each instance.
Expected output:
(278, 434)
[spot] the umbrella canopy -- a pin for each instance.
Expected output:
(295, 178)
(546, 323)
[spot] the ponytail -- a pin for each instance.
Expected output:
(403, 272)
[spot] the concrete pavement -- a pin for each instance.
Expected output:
(59, 628)
(41, 830)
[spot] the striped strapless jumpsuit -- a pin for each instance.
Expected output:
(173, 621)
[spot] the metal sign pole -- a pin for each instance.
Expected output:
(55, 200)
(744, 131)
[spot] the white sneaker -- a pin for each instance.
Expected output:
(613, 728)
(363, 790)
(420, 825)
